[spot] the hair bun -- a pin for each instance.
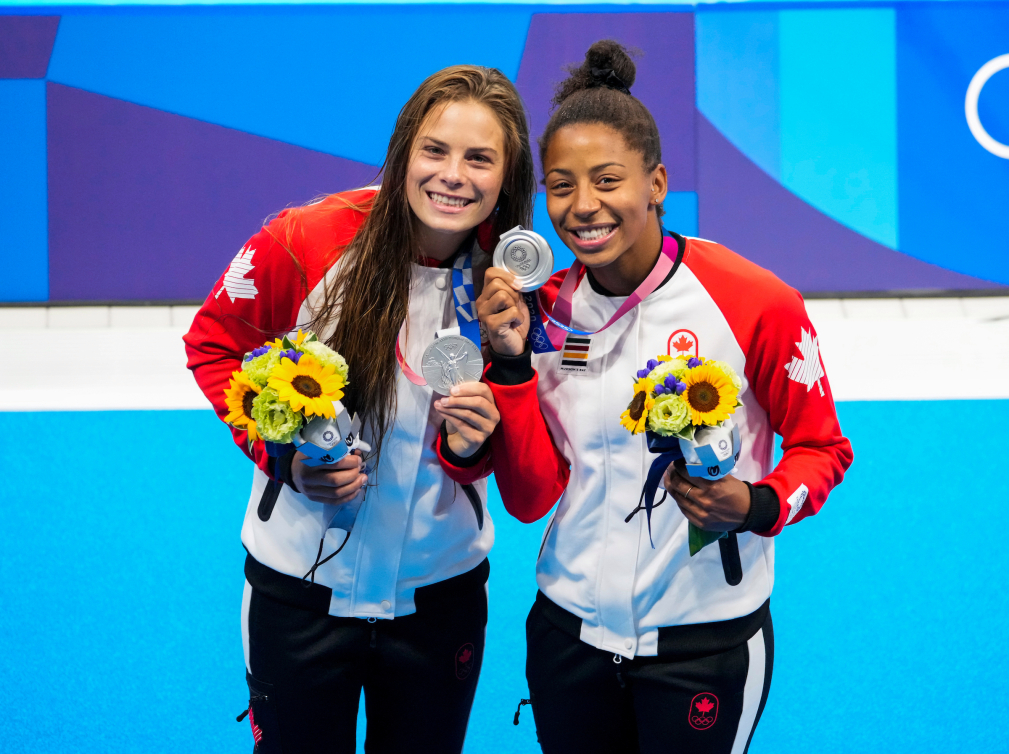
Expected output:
(606, 54)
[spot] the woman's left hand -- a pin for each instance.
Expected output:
(470, 416)
(712, 506)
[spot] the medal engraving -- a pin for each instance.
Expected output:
(451, 360)
(526, 255)
(521, 257)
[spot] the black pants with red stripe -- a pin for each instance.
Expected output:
(418, 672)
(589, 701)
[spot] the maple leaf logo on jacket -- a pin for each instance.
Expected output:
(807, 369)
(235, 282)
(682, 341)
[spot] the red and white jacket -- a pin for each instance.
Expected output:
(560, 436)
(415, 527)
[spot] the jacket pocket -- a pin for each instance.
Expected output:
(546, 533)
(474, 500)
(269, 499)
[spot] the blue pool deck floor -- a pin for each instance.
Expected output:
(121, 582)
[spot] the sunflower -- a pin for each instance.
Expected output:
(239, 399)
(307, 385)
(297, 341)
(636, 416)
(710, 394)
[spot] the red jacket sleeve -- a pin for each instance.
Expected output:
(531, 472)
(256, 299)
(260, 294)
(785, 372)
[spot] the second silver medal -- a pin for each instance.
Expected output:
(451, 360)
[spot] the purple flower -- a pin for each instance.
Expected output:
(673, 385)
(291, 354)
(248, 357)
(257, 352)
(652, 363)
(694, 363)
(642, 373)
(659, 389)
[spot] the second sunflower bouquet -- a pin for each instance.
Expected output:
(685, 406)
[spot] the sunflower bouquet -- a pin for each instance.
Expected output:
(283, 385)
(685, 406)
(673, 397)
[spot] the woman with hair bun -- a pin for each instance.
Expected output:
(397, 606)
(634, 647)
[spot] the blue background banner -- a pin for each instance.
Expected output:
(826, 141)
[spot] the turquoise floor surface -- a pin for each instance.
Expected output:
(121, 579)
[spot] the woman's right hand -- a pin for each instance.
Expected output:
(330, 483)
(503, 312)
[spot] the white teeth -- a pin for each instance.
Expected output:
(594, 233)
(449, 201)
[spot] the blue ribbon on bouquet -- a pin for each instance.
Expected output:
(668, 449)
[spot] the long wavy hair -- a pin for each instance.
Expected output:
(373, 278)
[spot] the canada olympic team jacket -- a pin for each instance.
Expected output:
(560, 436)
(415, 527)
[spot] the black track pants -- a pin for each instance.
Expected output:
(585, 702)
(418, 672)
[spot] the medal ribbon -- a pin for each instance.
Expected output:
(549, 335)
(465, 311)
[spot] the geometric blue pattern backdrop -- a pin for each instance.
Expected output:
(140, 147)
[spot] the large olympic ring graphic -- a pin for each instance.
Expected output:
(977, 83)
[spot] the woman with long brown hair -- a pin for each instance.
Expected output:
(393, 603)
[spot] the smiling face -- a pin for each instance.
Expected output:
(457, 166)
(600, 198)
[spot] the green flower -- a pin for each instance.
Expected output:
(258, 369)
(275, 420)
(327, 357)
(676, 367)
(729, 372)
(669, 415)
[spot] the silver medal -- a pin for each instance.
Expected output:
(451, 360)
(526, 255)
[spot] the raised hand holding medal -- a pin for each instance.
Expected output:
(523, 262)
